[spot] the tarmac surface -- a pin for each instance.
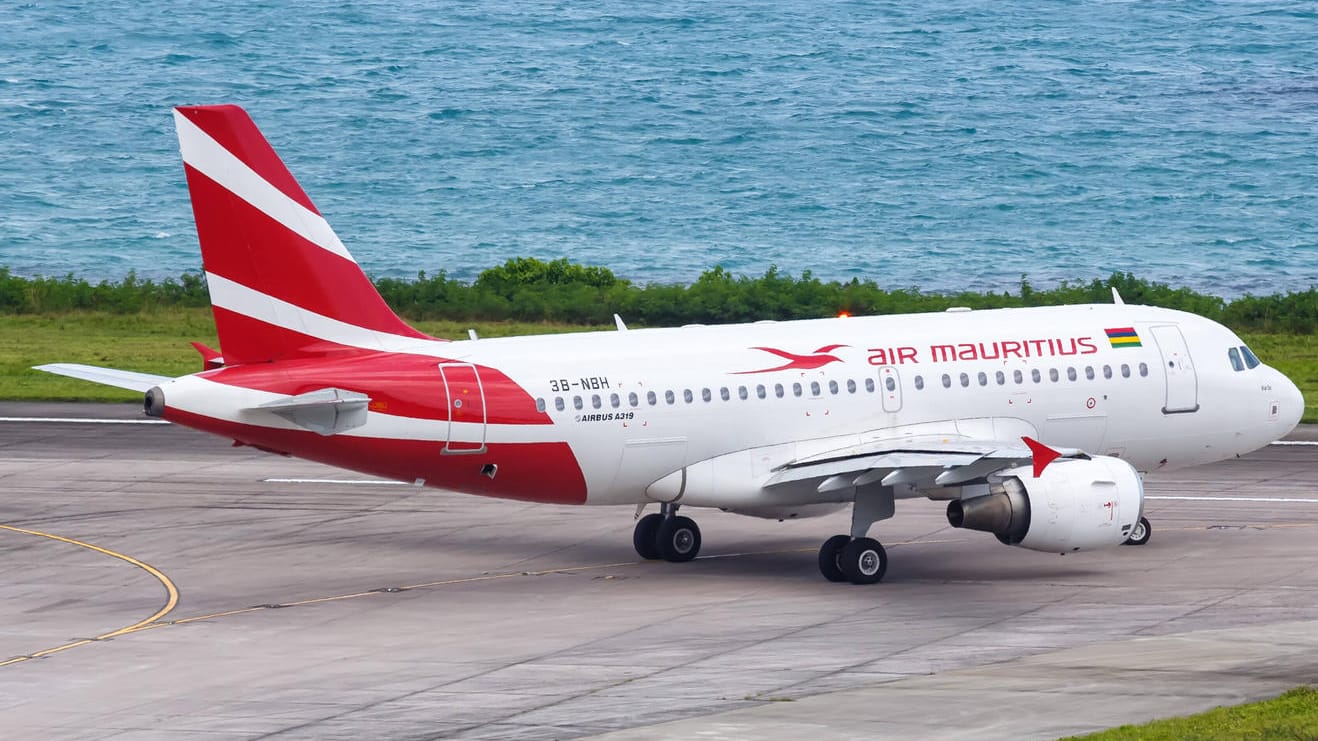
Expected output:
(157, 583)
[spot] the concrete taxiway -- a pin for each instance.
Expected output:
(157, 583)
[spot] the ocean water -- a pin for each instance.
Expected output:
(922, 143)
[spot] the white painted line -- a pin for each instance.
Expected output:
(1237, 499)
(1295, 442)
(362, 482)
(86, 420)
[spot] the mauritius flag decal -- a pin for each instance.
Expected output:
(1123, 337)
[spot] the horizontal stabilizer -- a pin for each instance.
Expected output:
(106, 376)
(326, 411)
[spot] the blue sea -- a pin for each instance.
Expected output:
(927, 143)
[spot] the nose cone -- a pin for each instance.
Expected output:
(1292, 404)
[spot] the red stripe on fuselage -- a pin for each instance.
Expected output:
(242, 243)
(531, 472)
(233, 129)
(399, 384)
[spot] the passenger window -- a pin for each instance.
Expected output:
(706, 395)
(947, 381)
(983, 378)
(1144, 369)
(890, 383)
(595, 401)
(869, 385)
(1125, 371)
(687, 396)
(1035, 375)
(760, 391)
(614, 401)
(1000, 377)
(577, 403)
(814, 388)
(559, 404)
(851, 386)
(796, 389)
(832, 387)
(1053, 375)
(650, 398)
(742, 393)
(1089, 372)
(724, 394)
(1107, 371)
(1018, 377)
(919, 383)
(1070, 373)
(965, 381)
(669, 397)
(539, 404)
(633, 400)
(778, 390)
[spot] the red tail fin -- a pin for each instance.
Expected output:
(281, 283)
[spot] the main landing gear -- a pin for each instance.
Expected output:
(857, 560)
(1141, 533)
(665, 535)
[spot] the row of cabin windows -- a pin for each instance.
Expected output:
(780, 391)
(761, 392)
(1036, 375)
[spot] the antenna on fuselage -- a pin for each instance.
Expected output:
(1116, 297)
(618, 321)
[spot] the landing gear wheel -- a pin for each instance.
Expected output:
(863, 561)
(829, 555)
(679, 539)
(645, 538)
(1141, 533)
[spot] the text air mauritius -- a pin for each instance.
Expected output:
(1032, 424)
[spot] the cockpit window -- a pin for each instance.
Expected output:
(1236, 363)
(1250, 360)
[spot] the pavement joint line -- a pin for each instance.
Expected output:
(171, 592)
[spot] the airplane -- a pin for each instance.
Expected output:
(1033, 424)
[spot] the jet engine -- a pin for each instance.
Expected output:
(1073, 505)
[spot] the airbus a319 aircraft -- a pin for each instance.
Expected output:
(1033, 424)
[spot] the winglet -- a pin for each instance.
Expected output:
(1043, 455)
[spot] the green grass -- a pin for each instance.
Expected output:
(150, 342)
(1293, 715)
(157, 342)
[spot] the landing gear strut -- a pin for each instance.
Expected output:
(1141, 533)
(666, 536)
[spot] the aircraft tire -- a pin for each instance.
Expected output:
(1141, 534)
(679, 539)
(829, 555)
(645, 538)
(863, 561)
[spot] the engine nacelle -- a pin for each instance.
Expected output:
(1076, 504)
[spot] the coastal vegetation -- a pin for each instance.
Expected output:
(558, 291)
(147, 325)
(1293, 715)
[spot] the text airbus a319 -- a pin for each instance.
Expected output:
(1033, 424)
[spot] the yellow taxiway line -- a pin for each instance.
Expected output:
(170, 590)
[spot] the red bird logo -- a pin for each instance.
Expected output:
(814, 360)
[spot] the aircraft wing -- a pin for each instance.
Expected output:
(913, 464)
(123, 379)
